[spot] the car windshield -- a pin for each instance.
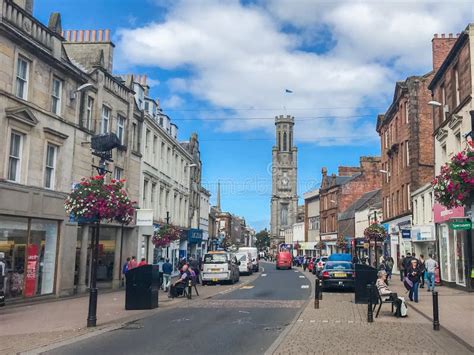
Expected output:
(241, 257)
(338, 266)
(215, 258)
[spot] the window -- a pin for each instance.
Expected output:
(147, 145)
(89, 112)
(22, 70)
(153, 193)
(402, 150)
(134, 137)
(279, 140)
(387, 207)
(458, 141)
(415, 212)
(456, 86)
(120, 128)
(444, 153)
(402, 199)
(145, 192)
(155, 143)
(408, 196)
(14, 161)
(50, 166)
(422, 219)
(443, 97)
(284, 142)
(407, 153)
(118, 173)
(407, 110)
(56, 96)
(104, 125)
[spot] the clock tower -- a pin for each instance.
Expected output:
(284, 201)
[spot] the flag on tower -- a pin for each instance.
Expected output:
(288, 91)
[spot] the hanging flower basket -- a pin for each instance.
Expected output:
(454, 187)
(94, 199)
(165, 235)
(321, 245)
(341, 242)
(375, 232)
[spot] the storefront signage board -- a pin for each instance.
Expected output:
(442, 214)
(462, 225)
(144, 218)
(406, 233)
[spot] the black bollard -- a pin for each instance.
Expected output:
(316, 293)
(190, 289)
(370, 312)
(320, 290)
(435, 311)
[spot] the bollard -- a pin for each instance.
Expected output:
(435, 311)
(190, 285)
(320, 290)
(316, 293)
(370, 312)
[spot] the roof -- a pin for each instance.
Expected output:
(368, 199)
(341, 180)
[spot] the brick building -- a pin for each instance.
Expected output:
(452, 89)
(338, 192)
(407, 150)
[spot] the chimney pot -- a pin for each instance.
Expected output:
(87, 36)
(107, 35)
(450, 35)
(443, 35)
(93, 35)
(435, 35)
(100, 39)
(81, 36)
(74, 36)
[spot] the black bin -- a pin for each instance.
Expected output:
(365, 275)
(142, 287)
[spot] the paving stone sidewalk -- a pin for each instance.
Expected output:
(26, 327)
(340, 326)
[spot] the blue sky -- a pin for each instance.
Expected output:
(220, 68)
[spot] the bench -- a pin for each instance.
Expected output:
(193, 284)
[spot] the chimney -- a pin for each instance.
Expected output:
(371, 164)
(324, 171)
(441, 46)
(347, 170)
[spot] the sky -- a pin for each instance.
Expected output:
(221, 69)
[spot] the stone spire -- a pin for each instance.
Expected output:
(218, 206)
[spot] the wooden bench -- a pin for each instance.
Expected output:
(382, 301)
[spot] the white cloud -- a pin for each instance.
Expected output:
(173, 101)
(239, 56)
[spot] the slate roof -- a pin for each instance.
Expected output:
(371, 198)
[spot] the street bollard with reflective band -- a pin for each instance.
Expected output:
(316, 293)
(320, 290)
(435, 311)
(190, 285)
(370, 312)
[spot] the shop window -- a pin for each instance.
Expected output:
(56, 96)
(29, 247)
(104, 124)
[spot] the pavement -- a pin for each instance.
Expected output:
(244, 320)
(340, 326)
(30, 328)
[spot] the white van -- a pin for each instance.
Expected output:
(219, 266)
(254, 253)
(245, 262)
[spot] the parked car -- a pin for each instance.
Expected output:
(338, 275)
(254, 252)
(220, 266)
(319, 262)
(245, 266)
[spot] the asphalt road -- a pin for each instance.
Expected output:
(245, 321)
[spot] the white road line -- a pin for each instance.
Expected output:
(302, 277)
(312, 321)
(299, 320)
(247, 287)
(304, 286)
(263, 275)
(296, 271)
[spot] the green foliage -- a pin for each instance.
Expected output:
(263, 239)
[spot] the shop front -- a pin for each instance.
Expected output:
(330, 241)
(453, 230)
(399, 241)
(29, 247)
(423, 240)
(194, 243)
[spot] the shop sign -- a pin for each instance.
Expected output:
(394, 238)
(195, 235)
(31, 267)
(144, 218)
(462, 225)
(328, 237)
(442, 214)
(406, 233)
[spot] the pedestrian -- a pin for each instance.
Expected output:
(305, 263)
(167, 270)
(401, 267)
(430, 267)
(389, 267)
(142, 262)
(125, 270)
(355, 259)
(178, 287)
(3, 271)
(383, 289)
(413, 272)
(194, 265)
(407, 263)
(421, 263)
(132, 263)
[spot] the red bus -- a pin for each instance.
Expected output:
(284, 257)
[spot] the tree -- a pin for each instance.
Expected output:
(263, 239)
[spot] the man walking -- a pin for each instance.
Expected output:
(401, 267)
(167, 269)
(3, 267)
(430, 266)
(407, 263)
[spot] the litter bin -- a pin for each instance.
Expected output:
(365, 275)
(142, 285)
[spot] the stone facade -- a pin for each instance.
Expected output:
(284, 201)
(311, 218)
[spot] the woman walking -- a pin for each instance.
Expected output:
(413, 274)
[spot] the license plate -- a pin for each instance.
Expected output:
(340, 274)
(215, 280)
(215, 269)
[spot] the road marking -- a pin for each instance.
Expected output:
(325, 321)
(247, 287)
(263, 275)
(299, 320)
(312, 321)
(296, 271)
(302, 277)
(244, 312)
(304, 286)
